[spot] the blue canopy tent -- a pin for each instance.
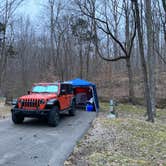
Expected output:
(83, 83)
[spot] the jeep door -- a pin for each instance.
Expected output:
(63, 98)
(69, 94)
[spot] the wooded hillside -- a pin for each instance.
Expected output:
(118, 44)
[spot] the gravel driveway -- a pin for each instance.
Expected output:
(34, 143)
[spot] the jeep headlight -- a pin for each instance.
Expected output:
(42, 101)
(14, 102)
(50, 102)
(21, 101)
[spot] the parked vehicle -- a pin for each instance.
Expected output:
(47, 100)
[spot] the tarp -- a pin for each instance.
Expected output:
(83, 83)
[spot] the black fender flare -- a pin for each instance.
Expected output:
(54, 102)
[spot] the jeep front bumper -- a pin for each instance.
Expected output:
(30, 113)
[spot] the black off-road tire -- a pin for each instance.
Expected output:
(72, 111)
(54, 117)
(16, 118)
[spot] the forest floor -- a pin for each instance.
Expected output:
(116, 87)
(126, 140)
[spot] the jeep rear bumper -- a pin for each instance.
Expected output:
(31, 113)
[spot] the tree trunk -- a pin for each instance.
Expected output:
(3, 58)
(150, 52)
(81, 61)
(128, 60)
(87, 61)
(52, 30)
(164, 25)
(144, 67)
(131, 83)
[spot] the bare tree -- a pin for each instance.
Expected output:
(144, 67)
(88, 9)
(150, 53)
(7, 11)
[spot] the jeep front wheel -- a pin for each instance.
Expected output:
(54, 117)
(16, 118)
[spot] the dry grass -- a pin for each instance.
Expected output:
(4, 110)
(126, 141)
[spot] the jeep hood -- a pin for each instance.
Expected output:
(45, 96)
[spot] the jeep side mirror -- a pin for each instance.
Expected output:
(63, 92)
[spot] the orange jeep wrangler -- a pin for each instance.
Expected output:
(45, 100)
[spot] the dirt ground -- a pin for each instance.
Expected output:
(125, 141)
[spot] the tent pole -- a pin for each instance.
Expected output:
(96, 109)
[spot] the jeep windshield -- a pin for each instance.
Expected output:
(45, 89)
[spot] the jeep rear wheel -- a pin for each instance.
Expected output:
(54, 117)
(16, 118)
(72, 111)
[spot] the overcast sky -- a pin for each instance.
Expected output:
(31, 8)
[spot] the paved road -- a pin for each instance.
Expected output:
(34, 143)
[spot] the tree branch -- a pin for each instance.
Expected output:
(163, 59)
(84, 9)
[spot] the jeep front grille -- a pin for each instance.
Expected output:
(30, 103)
